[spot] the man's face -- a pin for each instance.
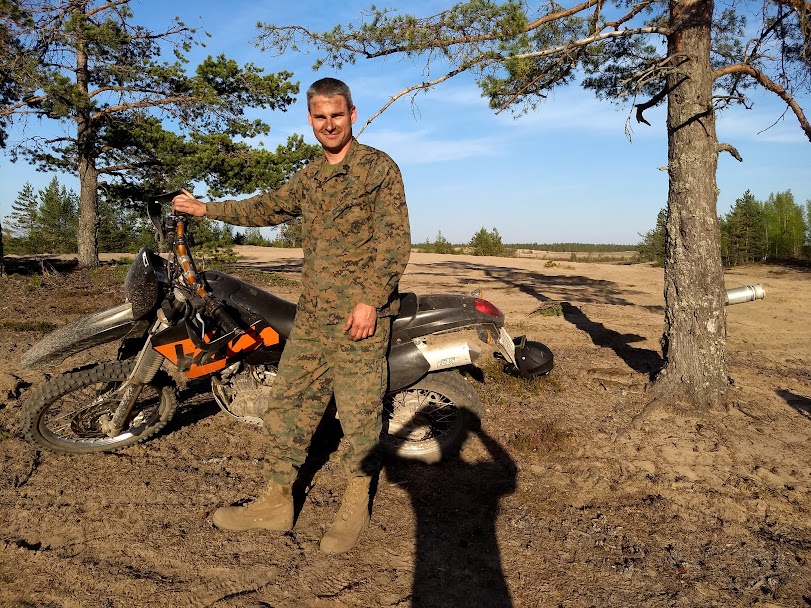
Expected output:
(331, 120)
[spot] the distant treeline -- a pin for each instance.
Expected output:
(578, 247)
(777, 230)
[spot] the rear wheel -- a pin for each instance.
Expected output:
(67, 413)
(430, 419)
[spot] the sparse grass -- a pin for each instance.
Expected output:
(280, 280)
(115, 271)
(550, 308)
(516, 328)
(500, 387)
(33, 282)
(544, 438)
(41, 326)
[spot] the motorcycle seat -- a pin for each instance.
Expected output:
(409, 306)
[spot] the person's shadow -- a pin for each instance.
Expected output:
(458, 562)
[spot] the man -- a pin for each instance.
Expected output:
(356, 243)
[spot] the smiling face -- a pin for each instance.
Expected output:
(332, 120)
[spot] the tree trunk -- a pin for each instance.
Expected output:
(87, 236)
(2, 257)
(694, 338)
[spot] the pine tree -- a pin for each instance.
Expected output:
(487, 243)
(22, 226)
(58, 218)
(652, 247)
(744, 229)
(87, 65)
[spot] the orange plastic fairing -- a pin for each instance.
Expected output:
(187, 357)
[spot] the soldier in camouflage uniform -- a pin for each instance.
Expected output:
(356, 242)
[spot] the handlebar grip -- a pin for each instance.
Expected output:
(217, 310)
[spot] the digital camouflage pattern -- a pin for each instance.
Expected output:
(355, 230)
(316, 363)
(356, 242)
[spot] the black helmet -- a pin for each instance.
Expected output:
(532, 358)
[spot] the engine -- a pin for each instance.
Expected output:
(240, 390)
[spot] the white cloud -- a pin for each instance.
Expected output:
(423, 147)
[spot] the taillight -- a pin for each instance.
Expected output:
(485, 307)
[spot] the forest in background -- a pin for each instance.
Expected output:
(45, 222)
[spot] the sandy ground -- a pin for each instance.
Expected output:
(558, 501)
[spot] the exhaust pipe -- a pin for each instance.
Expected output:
(747, 293)
(444, 353)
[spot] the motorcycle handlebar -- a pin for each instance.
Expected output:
(216, 309)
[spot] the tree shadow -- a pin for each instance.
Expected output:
(533, 283)
(582, 289)
(642, 360)
(798, 402)
(458, 562)
(274, 266)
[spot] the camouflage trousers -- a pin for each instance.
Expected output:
(320, 361)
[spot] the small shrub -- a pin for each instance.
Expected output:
(33, 283)
(487, 243)
(550, 308)
(440, 245)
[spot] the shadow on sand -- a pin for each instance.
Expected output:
(582, 289)
(457, 557)
(798, 402)
(458, 560)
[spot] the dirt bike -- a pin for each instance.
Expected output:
(212, 325)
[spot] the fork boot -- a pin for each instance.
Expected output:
(352, 517)
(273, 510)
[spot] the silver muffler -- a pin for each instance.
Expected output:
(747, 293)
(445, 352)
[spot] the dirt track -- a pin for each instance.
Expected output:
(557, 502)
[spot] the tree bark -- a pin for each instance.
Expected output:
(87, 236)
(694, 339)
(2, 255)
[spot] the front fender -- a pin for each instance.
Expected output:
(81, 334)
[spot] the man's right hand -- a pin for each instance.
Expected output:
(186, 203)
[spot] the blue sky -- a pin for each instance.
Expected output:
(566, 172)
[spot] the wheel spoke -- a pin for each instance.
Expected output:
(67, 414)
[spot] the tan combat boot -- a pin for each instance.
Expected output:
(273, 510)
(352, 517)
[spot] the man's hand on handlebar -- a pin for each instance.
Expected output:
(186, 203)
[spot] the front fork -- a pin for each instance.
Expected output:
(147, 363)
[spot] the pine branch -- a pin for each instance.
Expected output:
(769, 85)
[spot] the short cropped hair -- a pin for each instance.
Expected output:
(329, 87)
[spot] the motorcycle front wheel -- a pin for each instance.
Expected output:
(430, 419)
(66, 414)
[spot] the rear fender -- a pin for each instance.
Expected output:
(99, 328)
(410, 360)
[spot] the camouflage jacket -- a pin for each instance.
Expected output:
(355, 230)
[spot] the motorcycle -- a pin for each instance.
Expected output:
(213, 325)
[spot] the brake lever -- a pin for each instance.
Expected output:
(200, 342)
